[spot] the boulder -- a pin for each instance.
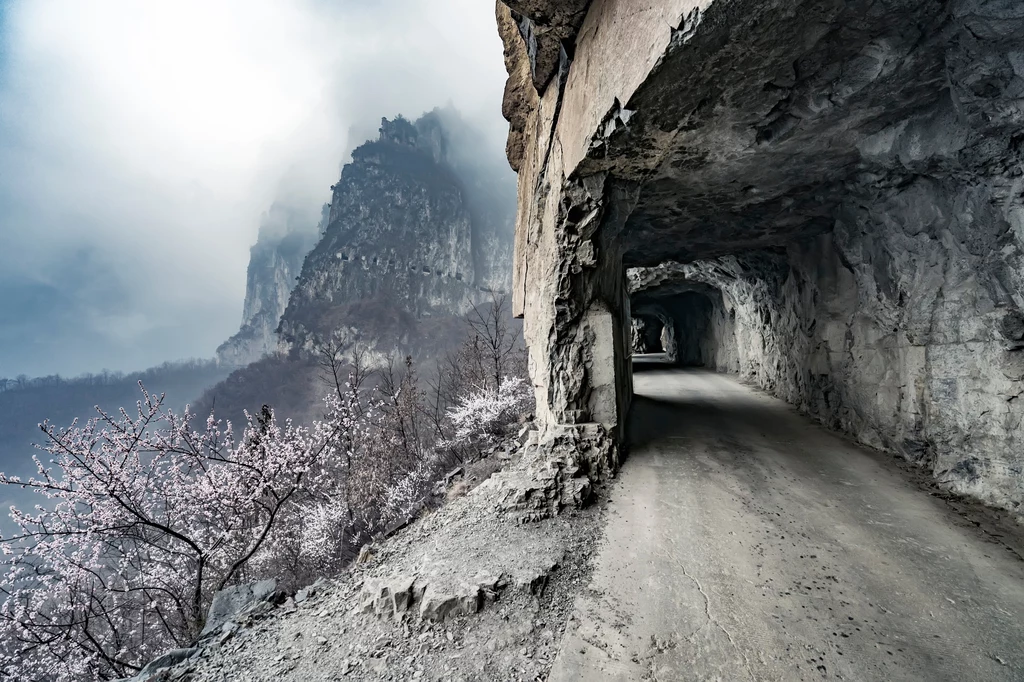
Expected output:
(233, 600)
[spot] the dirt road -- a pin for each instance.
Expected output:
(745, 542)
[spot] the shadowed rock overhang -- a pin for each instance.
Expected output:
(848, 175)
(761, 118)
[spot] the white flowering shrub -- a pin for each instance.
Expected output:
(483, 417)
(144, 518)
(404, 497)
(142, 521)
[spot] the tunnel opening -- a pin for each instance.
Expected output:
(647, 333)
(790, 220)
(689, 326)
(696, 340)
(864, 328)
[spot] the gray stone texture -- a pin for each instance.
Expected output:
(418, 228)
(849, 175)
(274, 265)
(897, 335)
(231, 601)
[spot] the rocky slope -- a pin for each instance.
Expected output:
(467, 592)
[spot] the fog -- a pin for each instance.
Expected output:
(141, 142)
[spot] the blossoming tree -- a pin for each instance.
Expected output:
(144, 520)
(143, 517)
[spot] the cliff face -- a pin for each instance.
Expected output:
(274, 264)
(417, 230)
(824, 197)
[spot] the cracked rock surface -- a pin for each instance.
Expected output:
(848, 175)
(744, 542)
(468, 592)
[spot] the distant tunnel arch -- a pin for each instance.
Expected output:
(649, 330)
(695, 323)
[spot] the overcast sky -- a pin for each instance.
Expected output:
(141, 140)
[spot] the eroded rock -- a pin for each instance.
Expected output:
(730, 137)
(557, 472)
(232, 601)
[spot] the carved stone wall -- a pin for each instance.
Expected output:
(853, 171)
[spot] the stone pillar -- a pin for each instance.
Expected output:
(574, 199)
(638, 338)
(569, 282)
(571, 292)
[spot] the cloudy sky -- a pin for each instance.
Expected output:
(141, 140)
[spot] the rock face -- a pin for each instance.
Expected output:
(234, 600)
(274, 264)
(418, 228)
(825, 197)
(898, 337)
(420, 225)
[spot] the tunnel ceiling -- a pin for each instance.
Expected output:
(764, 116)
(651, 300)
(654, 285)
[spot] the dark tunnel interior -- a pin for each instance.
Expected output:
(690, 328)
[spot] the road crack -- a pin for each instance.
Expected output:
(712, 620)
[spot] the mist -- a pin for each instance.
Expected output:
(143, 143)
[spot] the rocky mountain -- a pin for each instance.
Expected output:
(418, 231)
(410, 236)
(285, 238)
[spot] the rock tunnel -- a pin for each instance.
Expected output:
(693, 321)
(822, 197)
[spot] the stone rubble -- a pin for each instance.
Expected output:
(467, 592)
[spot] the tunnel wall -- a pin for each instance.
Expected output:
(696, 128)
(902, 327)
(721, 350)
